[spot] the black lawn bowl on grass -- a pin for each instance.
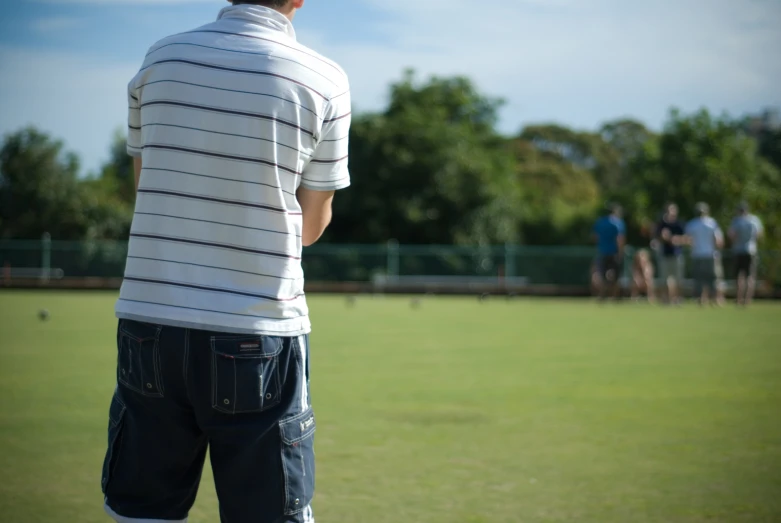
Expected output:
(459, 411)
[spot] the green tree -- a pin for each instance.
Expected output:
(430, 169)
(559, 198)
(39, 188)
(704, 158)
(40, 191)
(113, 193)
(582, 149)
(116, 179)
(770, 146)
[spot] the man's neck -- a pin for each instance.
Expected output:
(288, 11)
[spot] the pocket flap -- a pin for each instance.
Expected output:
(116, 411)
(139, 331)
(297, 428)
(247, 346)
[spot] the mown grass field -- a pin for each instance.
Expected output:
(454, 412)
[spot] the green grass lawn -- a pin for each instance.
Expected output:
(456, 412)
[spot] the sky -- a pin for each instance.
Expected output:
(65, 64)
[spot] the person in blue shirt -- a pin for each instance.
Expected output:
(610, 236)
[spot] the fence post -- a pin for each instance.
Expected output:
(509, 260)
(393, 259)
(46, 257)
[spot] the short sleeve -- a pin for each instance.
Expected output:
(689, 228)
(134, 144)
(621, 228)
(327, 170)
(760, 227)
(717, 233)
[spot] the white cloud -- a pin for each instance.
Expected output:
(56, 23)
(117, 2)
(72, 97)
(579, 62)
(571, 61)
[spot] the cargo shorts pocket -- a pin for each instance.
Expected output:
(245, 373)
(298, 460)
(139, 358)
(116, 417)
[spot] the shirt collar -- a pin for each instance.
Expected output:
(260, 15)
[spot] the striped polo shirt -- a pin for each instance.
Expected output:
(230, 119)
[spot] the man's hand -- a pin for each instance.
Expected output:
(680, 241)
(316, 208)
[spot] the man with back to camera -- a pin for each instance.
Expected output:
(670, 233)
(239, 136)
(610, 235)
(706, 239)
(745, 231)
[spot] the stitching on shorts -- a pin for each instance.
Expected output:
(157, 378)
(186, 360)
(288, 508)
(235, 379)
(117, 441)
(156, 362)
(297, 418)
(214, 380)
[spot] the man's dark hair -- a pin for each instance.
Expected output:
(613, 208)
(266, 3)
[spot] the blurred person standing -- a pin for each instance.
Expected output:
(670, 235)
(239, 135)
(745, 231)
(609, 233)
(704, 236)
(643, 276)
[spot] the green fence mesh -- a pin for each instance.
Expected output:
(361, 263)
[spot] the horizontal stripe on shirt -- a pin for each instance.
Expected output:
(213, 244)
(231, 120)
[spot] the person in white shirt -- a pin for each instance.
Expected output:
(745, 232)
(239, 136)
(706, 239)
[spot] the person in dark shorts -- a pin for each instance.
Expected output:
(704, 236)
(670, 234)
(240, 138)
(610, 235)
(745, 231)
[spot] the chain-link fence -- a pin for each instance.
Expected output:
(564, 266)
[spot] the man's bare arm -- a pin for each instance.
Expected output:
(137, 169)
(621, 241)
(316, 208)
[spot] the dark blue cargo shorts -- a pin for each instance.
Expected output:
(181, 391)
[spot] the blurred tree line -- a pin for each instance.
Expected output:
(433, 169)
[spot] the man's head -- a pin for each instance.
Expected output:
(743, 208)
(702, 209)
(286, 7)
(671, 211)
(614, 209)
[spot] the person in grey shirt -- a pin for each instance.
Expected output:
(745, 232)
(704, 236)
